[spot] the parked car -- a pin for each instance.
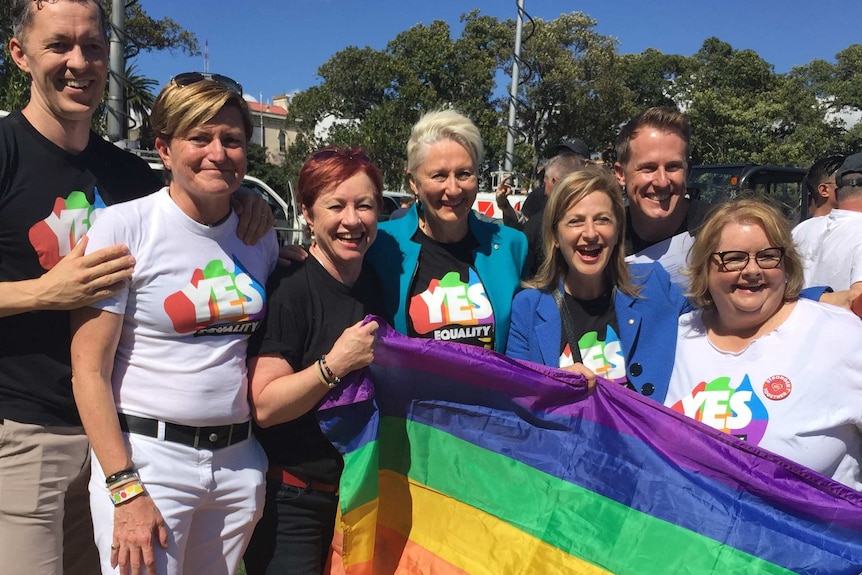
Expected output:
(719, 182)
(289, 224)
(391, 202)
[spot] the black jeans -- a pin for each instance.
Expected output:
(294, 534)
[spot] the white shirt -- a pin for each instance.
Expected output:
(671, 253)
(796, 391)
(831, 249)
(197, 294)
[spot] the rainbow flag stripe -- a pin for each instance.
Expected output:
(459, 460)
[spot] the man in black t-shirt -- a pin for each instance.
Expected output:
(54, 175)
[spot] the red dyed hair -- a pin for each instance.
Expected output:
(327, 168)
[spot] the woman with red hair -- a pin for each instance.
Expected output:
(312, 337)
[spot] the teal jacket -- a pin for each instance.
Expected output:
(499, 261)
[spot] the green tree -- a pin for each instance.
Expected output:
(742, 111)
(572, 87)
(376, 96)
(273, 174)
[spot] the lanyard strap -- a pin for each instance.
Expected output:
(568, 326)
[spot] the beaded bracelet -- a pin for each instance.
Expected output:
(127, 493)
(333, 379)
(322, 377)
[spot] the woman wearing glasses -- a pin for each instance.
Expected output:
(312, 337)
(159, 372)
(448, 275)
(759, 363)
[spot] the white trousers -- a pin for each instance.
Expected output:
(210, 501)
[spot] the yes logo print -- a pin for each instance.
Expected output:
(450, 301)
(729, 406)
(217, 296)
(604, 358)
(56, 235)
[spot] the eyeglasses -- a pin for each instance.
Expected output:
(735, 260)
(345, 153)
(189, 78)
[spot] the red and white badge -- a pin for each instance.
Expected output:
(777, 387)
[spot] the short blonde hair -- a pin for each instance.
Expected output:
(442, 125)
(741, 211)
(573, 188)
(179, 109)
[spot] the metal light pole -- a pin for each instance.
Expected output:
(513, 93)
(117, 123)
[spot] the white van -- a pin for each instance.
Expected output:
(288, 218)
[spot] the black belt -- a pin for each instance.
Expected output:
(214, 437)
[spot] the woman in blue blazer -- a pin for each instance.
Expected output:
(623, 319)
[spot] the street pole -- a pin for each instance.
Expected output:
(513, 93)
(117, 123)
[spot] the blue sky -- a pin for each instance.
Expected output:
(276, 46)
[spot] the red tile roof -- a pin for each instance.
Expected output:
(267, 108)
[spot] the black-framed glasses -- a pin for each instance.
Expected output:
(735, 260)
(346, 153)
(189, 78)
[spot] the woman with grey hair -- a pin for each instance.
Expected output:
(446, 274)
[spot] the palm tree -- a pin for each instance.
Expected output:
(139, 95)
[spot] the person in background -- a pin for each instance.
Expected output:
(404, 206)
(587, 308)
(313, 337)
(538, 198)
(820, 186)
(743, 359)
(577, 155)
(831, 246)
(446, 274)
(555, 170)
(159, 372)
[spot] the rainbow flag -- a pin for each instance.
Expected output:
(459, 460)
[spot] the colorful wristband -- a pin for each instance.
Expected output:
(127, 493)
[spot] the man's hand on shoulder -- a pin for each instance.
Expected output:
(255, 216)
(77, 280)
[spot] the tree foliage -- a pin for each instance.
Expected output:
(574, 83)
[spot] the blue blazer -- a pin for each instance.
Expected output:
(647, 324)
(499, 262)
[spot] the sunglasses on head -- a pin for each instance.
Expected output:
(345, 153)
(189, 78)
